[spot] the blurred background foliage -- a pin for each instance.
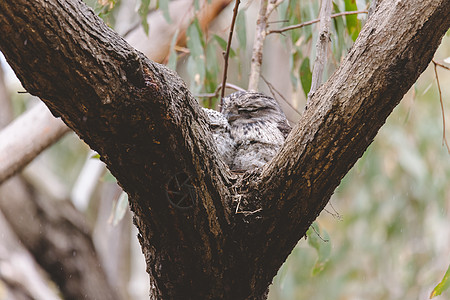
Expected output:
(386, 232)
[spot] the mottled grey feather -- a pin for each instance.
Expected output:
(258, 127)
(221, 132)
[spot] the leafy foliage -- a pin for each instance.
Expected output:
(443, 285)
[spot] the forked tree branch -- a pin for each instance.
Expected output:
(151, 133)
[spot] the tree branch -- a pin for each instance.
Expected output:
(297, 26)
(136, 114)
(151, 133)
(321, 46)
(227, 52)
(342, 120)
(258, 43)
(26, 137)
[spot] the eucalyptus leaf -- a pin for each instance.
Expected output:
(223, 44)
(120, 208)
(143, 13)
(241, 29)
(321, 244)
(164, 6)
(172, 63)
(353, 24)
(305, 76)
(443, 285)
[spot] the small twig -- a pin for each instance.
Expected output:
(318, 234)
(441, 65)
(273, 89)
(444, 139)
(247, 213)
(218, 88)
(296, 26)
(227, 53)
(257, 53)
(321, 46)
(335, 214)
(272, 6)
(239, 203)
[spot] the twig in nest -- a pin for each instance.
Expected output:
(227, 53)
(444, 138)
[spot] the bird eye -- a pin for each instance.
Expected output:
(247, 109)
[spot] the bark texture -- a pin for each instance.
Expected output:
(145, 124)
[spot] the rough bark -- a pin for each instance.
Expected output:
(148, 129)
(54, 233)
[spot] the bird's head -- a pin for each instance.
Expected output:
(250, 107)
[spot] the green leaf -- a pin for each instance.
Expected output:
(196, 61)
(241, 29)
(172, 63)
(305, 76)
(223, 44)
(143, 12)
(212, 68)
(120, 208)
(443, 285)
(108, 177)
(353, 24)
(339, 45)
(322, 245)
(164, 6)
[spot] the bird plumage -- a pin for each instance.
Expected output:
(249, 130)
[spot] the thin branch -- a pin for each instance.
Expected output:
(296, 26)
(227, 53)
(218, 88)
(441, 65)
(321, 46)
(272, 6)
(260, 36)
(273, 89)
(444, 138)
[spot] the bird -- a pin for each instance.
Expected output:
(258, 128)
(221, 132)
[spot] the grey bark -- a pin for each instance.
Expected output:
(149, 130)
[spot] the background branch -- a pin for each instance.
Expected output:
(26, 137)
(297, 26)
(227, 52)
(321, 46)
(258, 43)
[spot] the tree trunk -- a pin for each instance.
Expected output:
(149, 130)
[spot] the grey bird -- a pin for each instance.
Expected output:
(221, 131)
(258, 128)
